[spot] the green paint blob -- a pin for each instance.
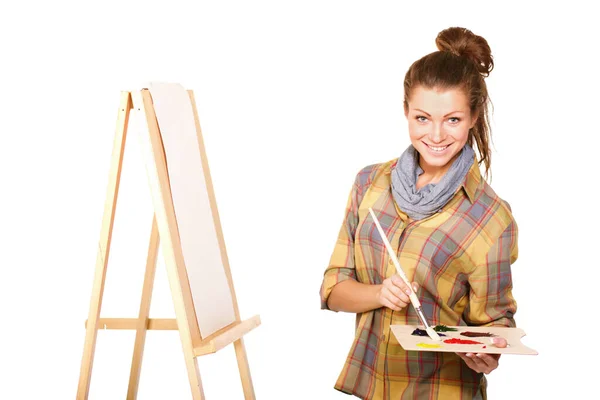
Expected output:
(444, 328)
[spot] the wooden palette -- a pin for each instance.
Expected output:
(403, 334)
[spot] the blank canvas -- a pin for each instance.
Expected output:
(210, 290)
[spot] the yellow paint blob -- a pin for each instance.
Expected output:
(429, 346)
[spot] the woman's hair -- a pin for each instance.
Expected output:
(462, 62)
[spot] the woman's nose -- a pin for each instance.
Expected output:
(436, 134)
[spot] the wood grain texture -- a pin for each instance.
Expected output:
(152, 324)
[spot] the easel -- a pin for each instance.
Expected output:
(164, 227)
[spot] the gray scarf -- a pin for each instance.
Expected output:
(419, 204)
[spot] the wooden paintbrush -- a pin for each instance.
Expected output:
(413, 297)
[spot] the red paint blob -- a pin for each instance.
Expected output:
(461, 341)
(484, 347)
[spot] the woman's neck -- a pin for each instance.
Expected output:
(431, 174)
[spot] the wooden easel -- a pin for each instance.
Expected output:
(164, 227)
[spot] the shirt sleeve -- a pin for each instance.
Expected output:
(490, 300)
(341, 265)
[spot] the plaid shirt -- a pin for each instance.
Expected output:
(461, 257)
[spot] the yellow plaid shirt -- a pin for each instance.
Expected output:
(461, 257)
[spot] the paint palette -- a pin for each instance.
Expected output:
(408, 341)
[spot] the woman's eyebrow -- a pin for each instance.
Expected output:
(429, 115)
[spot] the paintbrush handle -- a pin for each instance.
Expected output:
(413, 297)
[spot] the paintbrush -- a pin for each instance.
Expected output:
(413, 297)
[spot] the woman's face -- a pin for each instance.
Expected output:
(438, 124)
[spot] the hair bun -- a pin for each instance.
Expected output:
(463, 42)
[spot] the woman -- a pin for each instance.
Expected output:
(455, 238)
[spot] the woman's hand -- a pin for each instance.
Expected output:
(481, 362)
(394, 293)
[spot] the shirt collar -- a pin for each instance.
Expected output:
(472, 180)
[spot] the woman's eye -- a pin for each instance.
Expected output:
(420, 116)
(456, 120)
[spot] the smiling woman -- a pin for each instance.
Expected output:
(455, 238)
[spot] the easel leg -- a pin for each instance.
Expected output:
(193, 374)
(140, 336)
(242, 360)
(108, 218)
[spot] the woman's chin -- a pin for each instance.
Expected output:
(435, 160)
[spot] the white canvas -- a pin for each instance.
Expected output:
(201, 252)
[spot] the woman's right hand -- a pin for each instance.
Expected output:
(393, 293)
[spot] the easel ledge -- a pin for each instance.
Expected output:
(211, 344)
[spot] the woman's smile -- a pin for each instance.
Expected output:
(437, 150)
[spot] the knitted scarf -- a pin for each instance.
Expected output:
(421, 203)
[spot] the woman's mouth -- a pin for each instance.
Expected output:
(437, 149)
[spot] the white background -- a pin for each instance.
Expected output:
(294, 98)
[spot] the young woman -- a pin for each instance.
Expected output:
(455, 237)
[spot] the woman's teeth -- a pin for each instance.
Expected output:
(440, 149)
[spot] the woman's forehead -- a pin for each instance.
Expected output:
(438, 101)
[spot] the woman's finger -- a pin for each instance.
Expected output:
(470, 363)
(399, 302)
(415, 286)
(475, 363)
(387, 303)
(392, 287)
(397, 291)
(399, 282)
(480, 365)
(490, 361)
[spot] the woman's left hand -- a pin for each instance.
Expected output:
(482, 362)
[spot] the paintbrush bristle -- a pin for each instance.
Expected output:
(433, 334)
